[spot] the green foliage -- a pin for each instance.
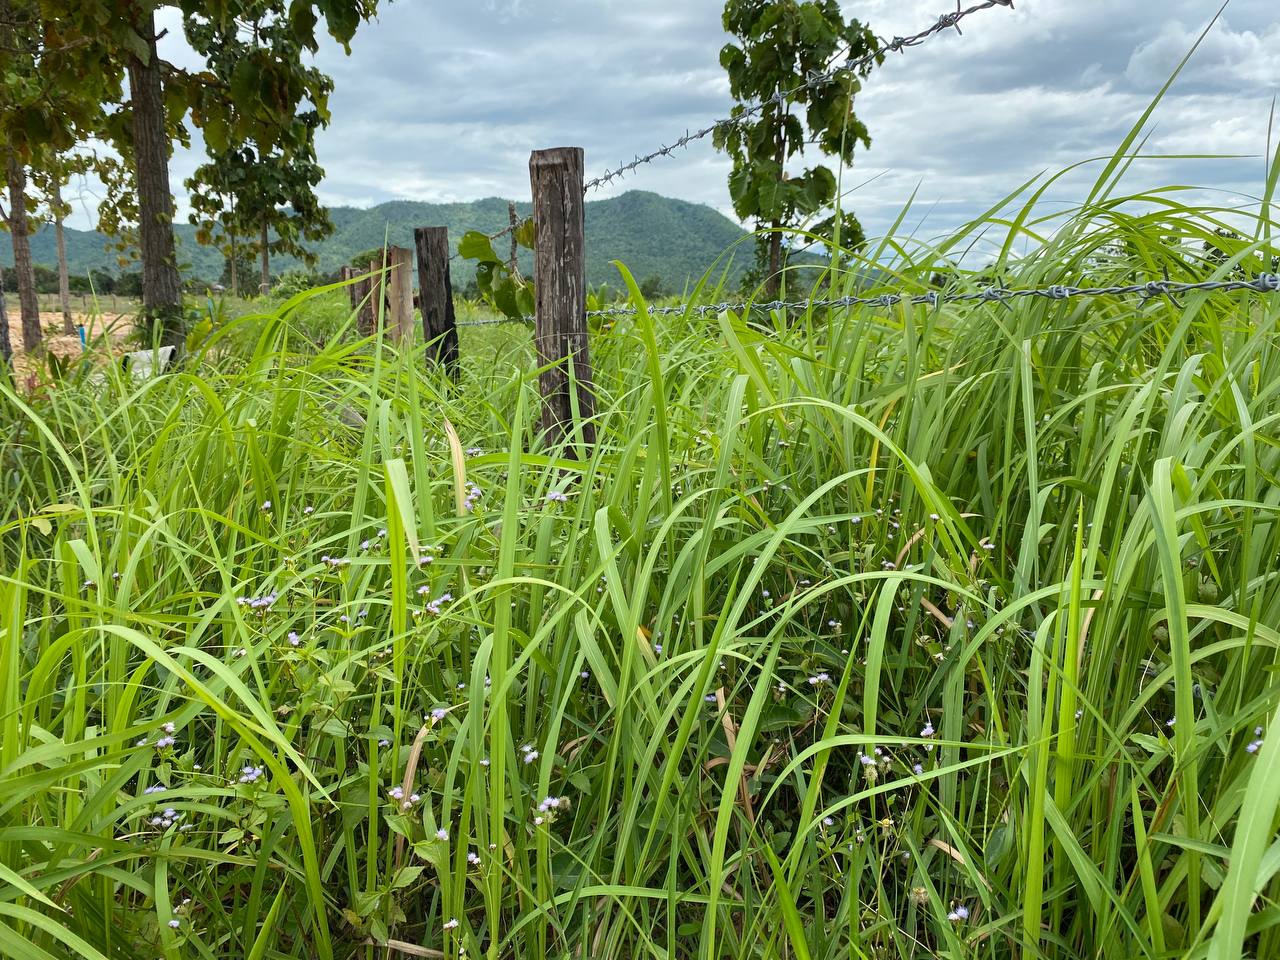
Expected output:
(270, 624)
(294, 282)
(262, 175)
(500, 281)
(44, 107)
(780, 45)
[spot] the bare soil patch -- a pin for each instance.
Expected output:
(113, 328)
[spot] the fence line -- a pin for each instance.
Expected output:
(561, 336)
(1264, 283)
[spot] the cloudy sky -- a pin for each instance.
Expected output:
(442, 100)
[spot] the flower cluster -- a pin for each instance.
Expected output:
(528, 752)
(406, 803)
(334, 562)
(473, 494)
(434, 607)
(250, 774)
(165, 819)
(164, 741)
(262, 604)
(555, 496)
(1255, 745)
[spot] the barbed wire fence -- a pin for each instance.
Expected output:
(946, 21)
(1151, 290)
(562, 330)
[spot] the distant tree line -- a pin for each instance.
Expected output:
(125, 284)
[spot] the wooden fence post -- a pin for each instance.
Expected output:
(345, 274)
(400, 295)
(435, 292)
(360, 302)
(560, 272)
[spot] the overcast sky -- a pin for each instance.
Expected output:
(442, 100)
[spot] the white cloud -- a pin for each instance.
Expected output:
(444, 101)
(1226, 59)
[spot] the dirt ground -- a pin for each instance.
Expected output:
(114, 327)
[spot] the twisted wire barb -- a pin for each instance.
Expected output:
(945, 22)
(1152, 289)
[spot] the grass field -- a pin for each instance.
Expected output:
(912, 632)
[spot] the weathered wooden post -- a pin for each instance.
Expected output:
(560, 276)
(435, 291)
(400, 295)
(349, 273)
(361, 303)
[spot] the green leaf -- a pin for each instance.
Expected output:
(474, 245)
(527, 233)
(406, 876)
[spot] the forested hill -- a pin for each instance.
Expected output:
(653, 235)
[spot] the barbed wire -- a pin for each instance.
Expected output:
(1150, 290)
(945, 22)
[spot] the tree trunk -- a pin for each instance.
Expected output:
(775, 262)
(774, 285)
(264, 285)
(64, 274)
(235, 271)
(161, 285)
(27, 299)
(6, 348)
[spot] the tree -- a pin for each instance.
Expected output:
(259, 102)
(49, 179)
(17, 220)
(253, 187)
(23, 109)
(243, 192)
(233, 268)
(781, 45)
(653, 287)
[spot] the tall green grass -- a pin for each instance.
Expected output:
(911, 632)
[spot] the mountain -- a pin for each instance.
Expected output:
(653, 235)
